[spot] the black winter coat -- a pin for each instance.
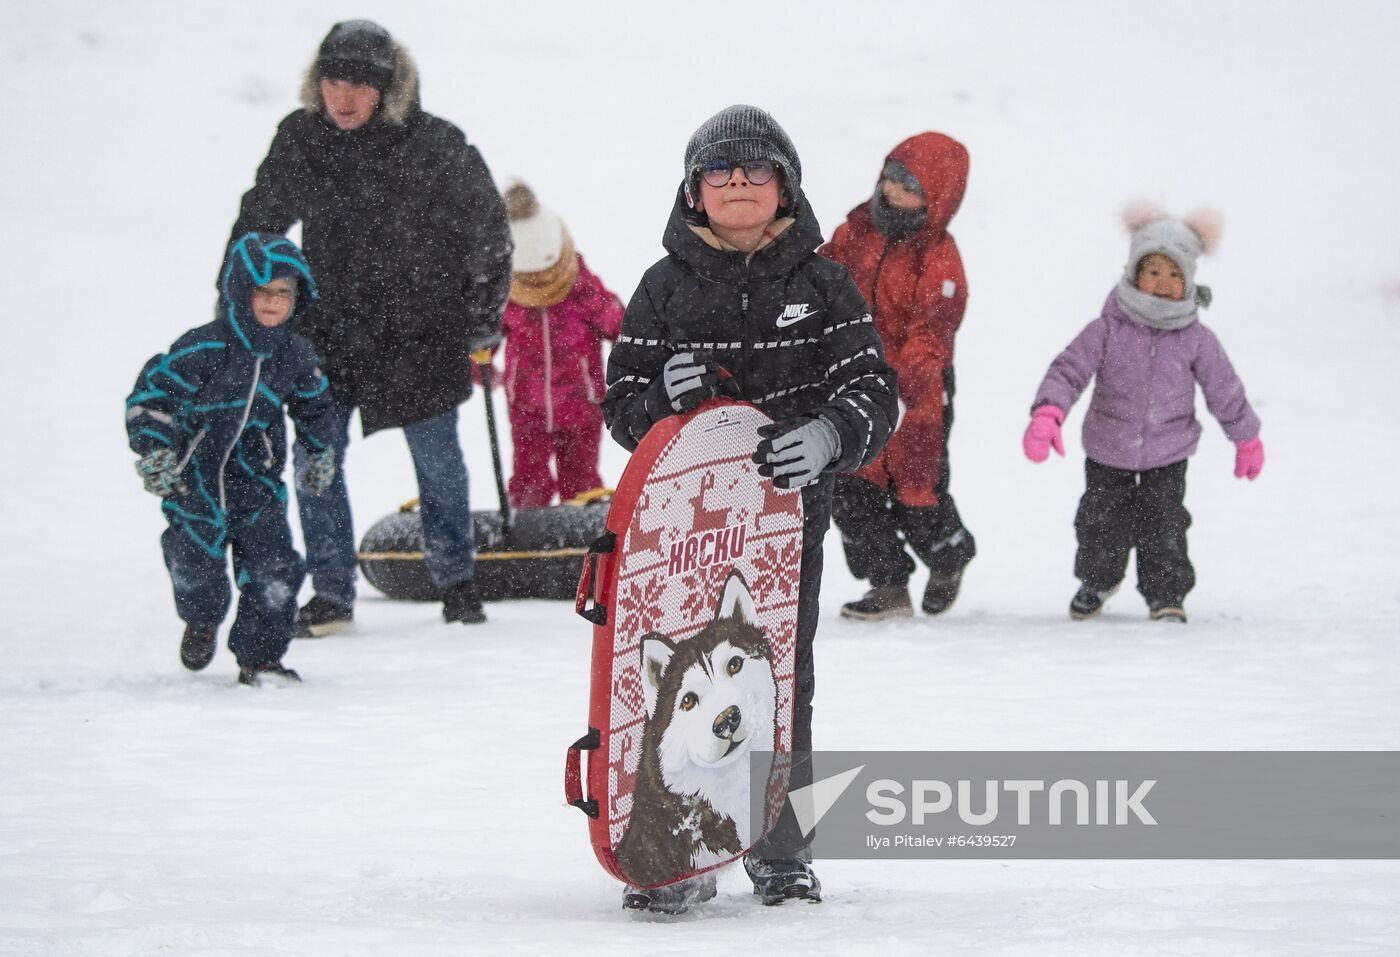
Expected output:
(407, 237)
(789, 325)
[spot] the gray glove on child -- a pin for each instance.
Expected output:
(690, 378)
(794, 452)
(320, 470)
(160, 473)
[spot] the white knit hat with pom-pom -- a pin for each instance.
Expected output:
(537, 233)
(1183, 240)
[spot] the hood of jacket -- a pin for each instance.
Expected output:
(255, 259)
(940, 164)
(799, 237)
(398, 104)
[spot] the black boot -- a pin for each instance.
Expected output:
(197, 647)
(672, 899)
(460, 602)
(1088, 602)
(321, 617)
(879, 604)
(941, 592)
(254, 674)
(783, 879)
(1167, 610)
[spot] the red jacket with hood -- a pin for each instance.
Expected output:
(917, 293)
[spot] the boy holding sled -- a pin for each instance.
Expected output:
(743, 292)
(206, 419)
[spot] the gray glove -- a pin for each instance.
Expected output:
(160, 473)
(320, 470)
(690, 378)
(794, 452)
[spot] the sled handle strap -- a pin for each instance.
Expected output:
(588, 578)
(573, 773)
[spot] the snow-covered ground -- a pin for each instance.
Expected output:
(407, 797)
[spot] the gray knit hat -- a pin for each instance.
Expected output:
(738, 134)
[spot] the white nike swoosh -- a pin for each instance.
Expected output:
(781, 322)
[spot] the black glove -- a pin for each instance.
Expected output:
(796, 451)
(160, 473)
(690, 378)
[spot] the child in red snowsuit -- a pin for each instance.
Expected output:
(898, 249)
(555, 323)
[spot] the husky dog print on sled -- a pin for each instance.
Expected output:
(709, 702)
(693, 651)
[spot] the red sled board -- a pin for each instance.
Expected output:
(694, 588)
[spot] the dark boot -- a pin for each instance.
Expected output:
(460, 602)
(783, 879)
(941, 592)
(879, 604)
(672, 899)
(253, 675)
(1167, 611)
(197, 647)
(321, 617)
(1088, 602)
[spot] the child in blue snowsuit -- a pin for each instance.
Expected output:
(206, 419)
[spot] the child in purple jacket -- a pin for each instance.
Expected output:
(1147, 350)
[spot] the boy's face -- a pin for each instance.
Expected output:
(1159, 276)
(349, 105)
(272, 304)
(739, 204)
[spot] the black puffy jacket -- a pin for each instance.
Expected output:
(789, 325)
(407, 237)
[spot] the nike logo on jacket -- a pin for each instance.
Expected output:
(795, 313)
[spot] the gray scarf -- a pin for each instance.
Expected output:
(1155, 312)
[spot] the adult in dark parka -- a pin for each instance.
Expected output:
(408, 239)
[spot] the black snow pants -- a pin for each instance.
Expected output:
(875, 527)
(268, 572)
(1121, 510)
(786, 840)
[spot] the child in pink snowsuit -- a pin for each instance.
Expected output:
(1147, 351)
(555, 323)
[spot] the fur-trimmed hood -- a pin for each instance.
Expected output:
(399, 103)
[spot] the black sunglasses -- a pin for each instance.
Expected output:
(717, 172)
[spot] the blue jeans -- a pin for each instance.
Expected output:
(443, 500)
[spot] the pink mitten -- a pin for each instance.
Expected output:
(1043, 434)
(1249, 459)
